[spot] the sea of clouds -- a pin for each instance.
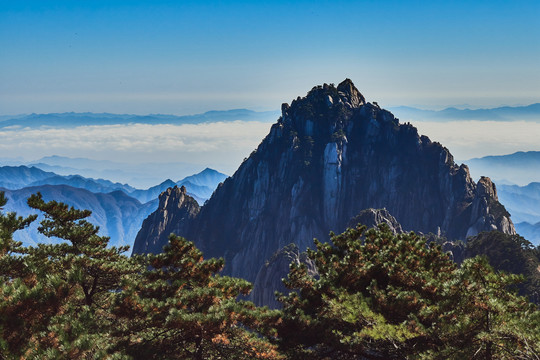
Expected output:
(223, 145)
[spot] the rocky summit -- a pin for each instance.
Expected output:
(329, 156)
(175, 210)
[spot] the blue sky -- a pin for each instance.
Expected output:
(186, 57)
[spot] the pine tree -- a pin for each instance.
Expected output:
(485, 318)
(82, 299)
(22, 305)
(179, 308)
(85, 257)
(10, 266)
(385, 296)
(370, 299)
(512, 254)
(377, 295)
(59, 301)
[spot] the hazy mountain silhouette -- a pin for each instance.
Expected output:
(118, 209)
(70, 120)
(504, 113)
(519, 168)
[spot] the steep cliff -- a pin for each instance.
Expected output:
(329, 156)
(176, 209)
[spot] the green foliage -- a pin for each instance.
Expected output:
(85, 259)
(180, 309)
(306, 109)
(82, 299)
(376, 296)
(497, 209)
(10, 266)
(511, 254)
(54, 305)
(385, 296)
(307, 149)
(338, 135)
(483, 319)
(391, 280)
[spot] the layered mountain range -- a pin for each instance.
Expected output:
(329, 156)
(118, 215)
(72, 119)
(519, 168)
(523, 202)
(504, 113)
(118, 209)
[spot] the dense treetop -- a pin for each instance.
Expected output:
(376, 295)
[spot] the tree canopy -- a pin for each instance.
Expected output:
(384, 296)
(84, 299)
(376, 295)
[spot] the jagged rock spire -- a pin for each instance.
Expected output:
(348, 89)
(174, 211)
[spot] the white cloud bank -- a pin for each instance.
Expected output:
(220, 145)
(471, 139)
(223, 145)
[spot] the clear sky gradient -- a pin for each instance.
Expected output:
(185, 57)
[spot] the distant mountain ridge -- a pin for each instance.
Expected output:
(71, 119)
(519, 168)
(78, 181)
(530, 232)
(138, 175)
(118, 215)
(518, 158)
(504, 113)
(118, 209)
(200, 186)
(16, 177)
(523, 202)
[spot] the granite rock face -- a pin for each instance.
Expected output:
(487, 213)
(328, 157)
(373, 217)
(456, 250)
(270, 277)
(175, 210)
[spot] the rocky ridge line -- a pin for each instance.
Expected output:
(328, 157)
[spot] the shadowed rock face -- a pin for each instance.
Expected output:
(330, 156)
(270, 277)
(175, 210)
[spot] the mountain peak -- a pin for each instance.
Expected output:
(351, 92)
(208, 171)
(330, 156)
(175, 209)
(324, 103)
